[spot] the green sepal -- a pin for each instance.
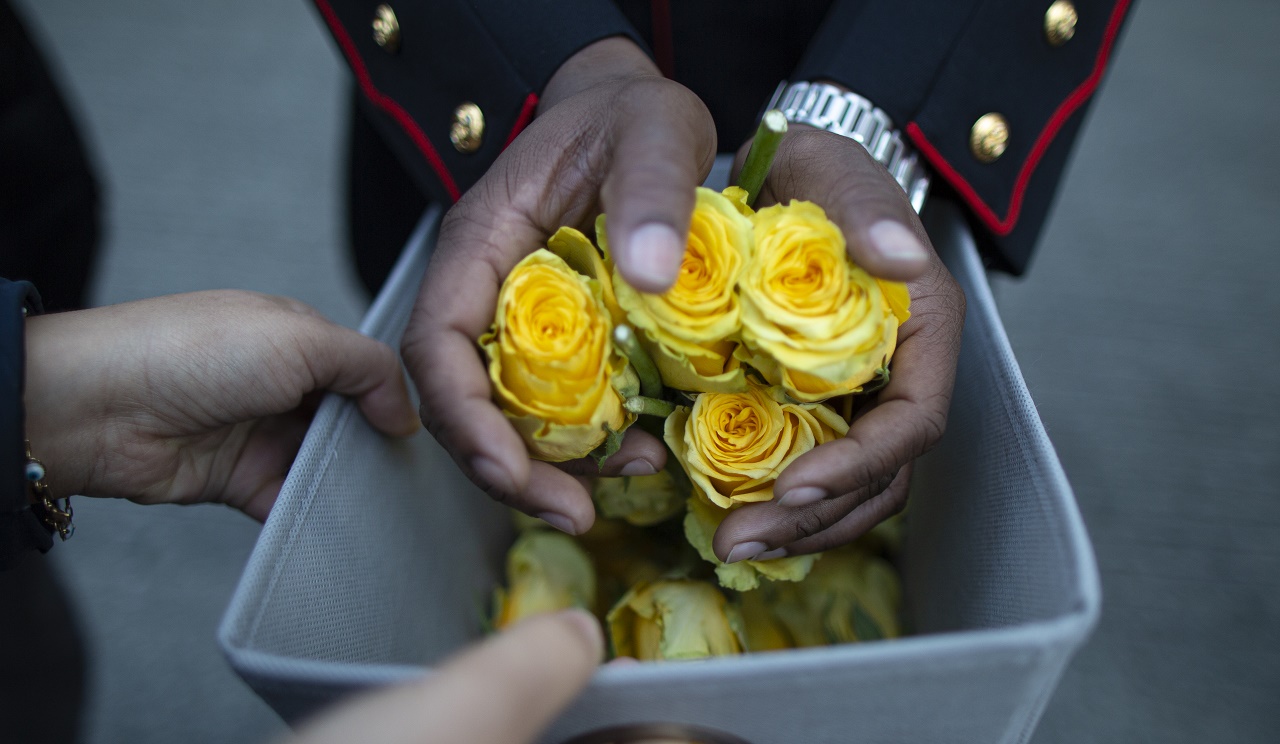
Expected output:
(866, 628)
(881, 379)
(611, 444)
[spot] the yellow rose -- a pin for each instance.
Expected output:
(761, 631)
(851, 595)
(583, 257)
(700, 524)
(642, 500)
(552, 362)
(813, 322)
(734, 446)
(625, 555)
(674, 619)
(546, 572)
(691, 329)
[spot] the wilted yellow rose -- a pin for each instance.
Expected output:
(700, 524)
(546, 572)
(642, 500)
(851, 595)
(625, 555)
(691, 329)
(552, 362)
(734, 446)
(761, 630)
(814, 322)
(674, 619)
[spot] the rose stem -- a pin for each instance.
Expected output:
(646, 406)
(650, 380)
(773, 125)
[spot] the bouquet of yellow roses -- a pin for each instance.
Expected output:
(744, 365)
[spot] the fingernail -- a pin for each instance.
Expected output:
(559, 521)
(896, 242)
(769, 555)
(586, 625)
(746, 551)
(412, 424)
(493, 475)
(656, 252)
(638, 467)
(802, 496)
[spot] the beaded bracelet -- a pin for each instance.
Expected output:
(54, 513)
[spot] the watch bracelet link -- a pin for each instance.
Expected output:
(850, 115)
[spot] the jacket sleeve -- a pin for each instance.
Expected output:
(496, 54)
(937, 67)
(20, 530)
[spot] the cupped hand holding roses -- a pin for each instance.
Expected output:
(839, 490)
(611, 135)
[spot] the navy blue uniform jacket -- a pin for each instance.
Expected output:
(935, 66)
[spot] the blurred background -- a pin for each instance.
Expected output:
(1148, 329)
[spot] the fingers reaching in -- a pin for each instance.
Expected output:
(503, 691)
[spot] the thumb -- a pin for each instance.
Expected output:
(882, 232)
(666, 143)
(503, 691)
(343, 361)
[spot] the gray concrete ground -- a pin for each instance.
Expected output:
(1147, 332)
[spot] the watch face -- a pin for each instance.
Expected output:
(850, 115)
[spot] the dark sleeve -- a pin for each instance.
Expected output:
(937, 67)
(20, 530)
(497, 54)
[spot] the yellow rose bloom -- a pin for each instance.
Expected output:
(625, 555)
(583, 257)
(642, 500)
(546, 572)
(761, 631)
(674, 619)
(734, 446)
(813, 322)
(700, 524)
(850, 596)
(691, 329)
(552, 362)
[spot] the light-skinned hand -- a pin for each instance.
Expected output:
(194, 397)
(503, 691)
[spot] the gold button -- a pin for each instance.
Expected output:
(1060, 22)
(467, 131)
(989, 137)
(386, 29)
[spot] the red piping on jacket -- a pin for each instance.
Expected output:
(664, 49)
(1064, 111)
(526, 115)
(384, 102)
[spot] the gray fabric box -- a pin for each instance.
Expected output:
(379, 559)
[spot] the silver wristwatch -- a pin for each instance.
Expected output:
(850, 115)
